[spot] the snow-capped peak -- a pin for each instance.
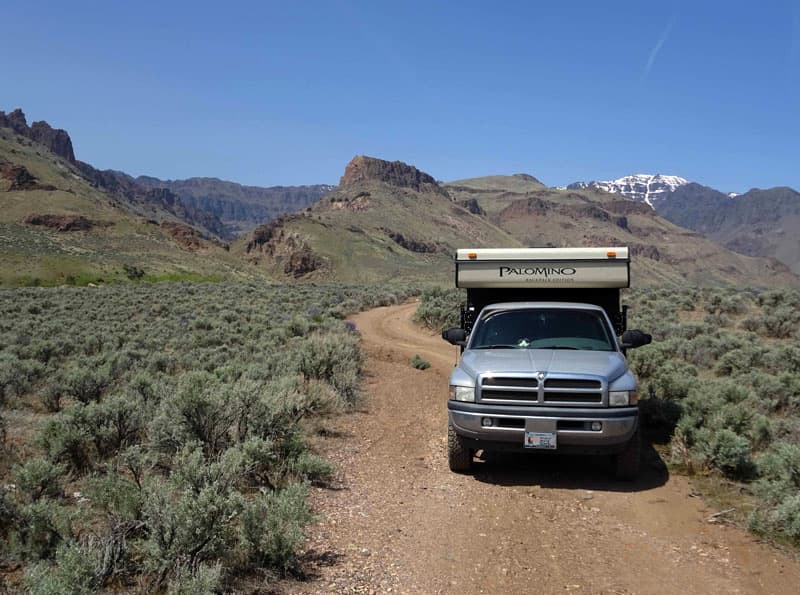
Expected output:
(646, 188)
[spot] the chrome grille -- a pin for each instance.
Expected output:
(572, 383)
(573, 397)
(521, 389)
(516, 382)
(509, 395)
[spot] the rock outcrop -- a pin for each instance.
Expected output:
(395, 173)
(64, 222)
(185, 236)
(413, 245)
(472, 205)
(17, 177)
(288, 250)
(55, 139)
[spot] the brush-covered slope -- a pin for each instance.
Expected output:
(387, 220)
(661, 251)
(57, 227)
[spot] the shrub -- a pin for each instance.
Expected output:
(311, 467)
(66, 441)
(198, 411)
(38, 478)
(439, 308)
(169, 403)
(50, 397)
(120, 499)
(418, 363)
(9, 517)
(782, 322)
(41, 526)
(76, 571)
(115, 423)
(778, 509)
(730, 453)
(16, 376)
(272, 530)
(739, 360)
(85, 384)
(335, 358)
(188, 527)
(205, 579)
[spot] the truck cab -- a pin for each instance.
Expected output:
(543, 366)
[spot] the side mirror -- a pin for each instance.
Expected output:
(455, 336)
(634, 338)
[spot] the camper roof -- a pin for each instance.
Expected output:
(575, 268)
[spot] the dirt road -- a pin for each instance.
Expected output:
(401, 522)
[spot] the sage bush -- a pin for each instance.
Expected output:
(165, 443)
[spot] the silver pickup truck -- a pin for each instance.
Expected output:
(538, 373)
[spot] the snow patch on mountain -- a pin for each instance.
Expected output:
(645, 188)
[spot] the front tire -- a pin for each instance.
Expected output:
(628, 462)
(459, 457)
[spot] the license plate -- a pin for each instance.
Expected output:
(546, 440)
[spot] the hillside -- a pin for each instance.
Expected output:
(58, 227)
(240, 208)
(758, 222)
(662, 252)
(387, 220)
(64, 221)
(390, 220)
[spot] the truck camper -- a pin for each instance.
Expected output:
(543, 339)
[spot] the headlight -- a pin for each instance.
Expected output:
(622, 398)
(462, 393)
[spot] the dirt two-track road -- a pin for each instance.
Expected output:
(399, 521)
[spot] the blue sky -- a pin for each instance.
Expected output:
(271, 93)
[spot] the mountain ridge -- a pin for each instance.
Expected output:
(647, 188)
(759, 222)
(388, 220)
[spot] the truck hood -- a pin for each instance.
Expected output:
(608, 364)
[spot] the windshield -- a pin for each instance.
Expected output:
(543, 328)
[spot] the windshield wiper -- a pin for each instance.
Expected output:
(558, 347)
(497, 347)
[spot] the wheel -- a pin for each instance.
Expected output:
(459, 457)
(627, 462)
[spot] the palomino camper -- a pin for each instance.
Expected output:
(543, 338)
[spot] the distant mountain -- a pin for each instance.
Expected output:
(756, 223)
(514, 182)
(240, 208)
(386, 221)
(146, 200)
(63, 222)
(389, 220)
(219, 209)
(646, 188)
(662, 252)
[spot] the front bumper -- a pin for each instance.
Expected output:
(573, 426)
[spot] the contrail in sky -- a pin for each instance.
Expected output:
(657, 47)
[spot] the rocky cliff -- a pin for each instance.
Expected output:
(394, 173)
(55, 139)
